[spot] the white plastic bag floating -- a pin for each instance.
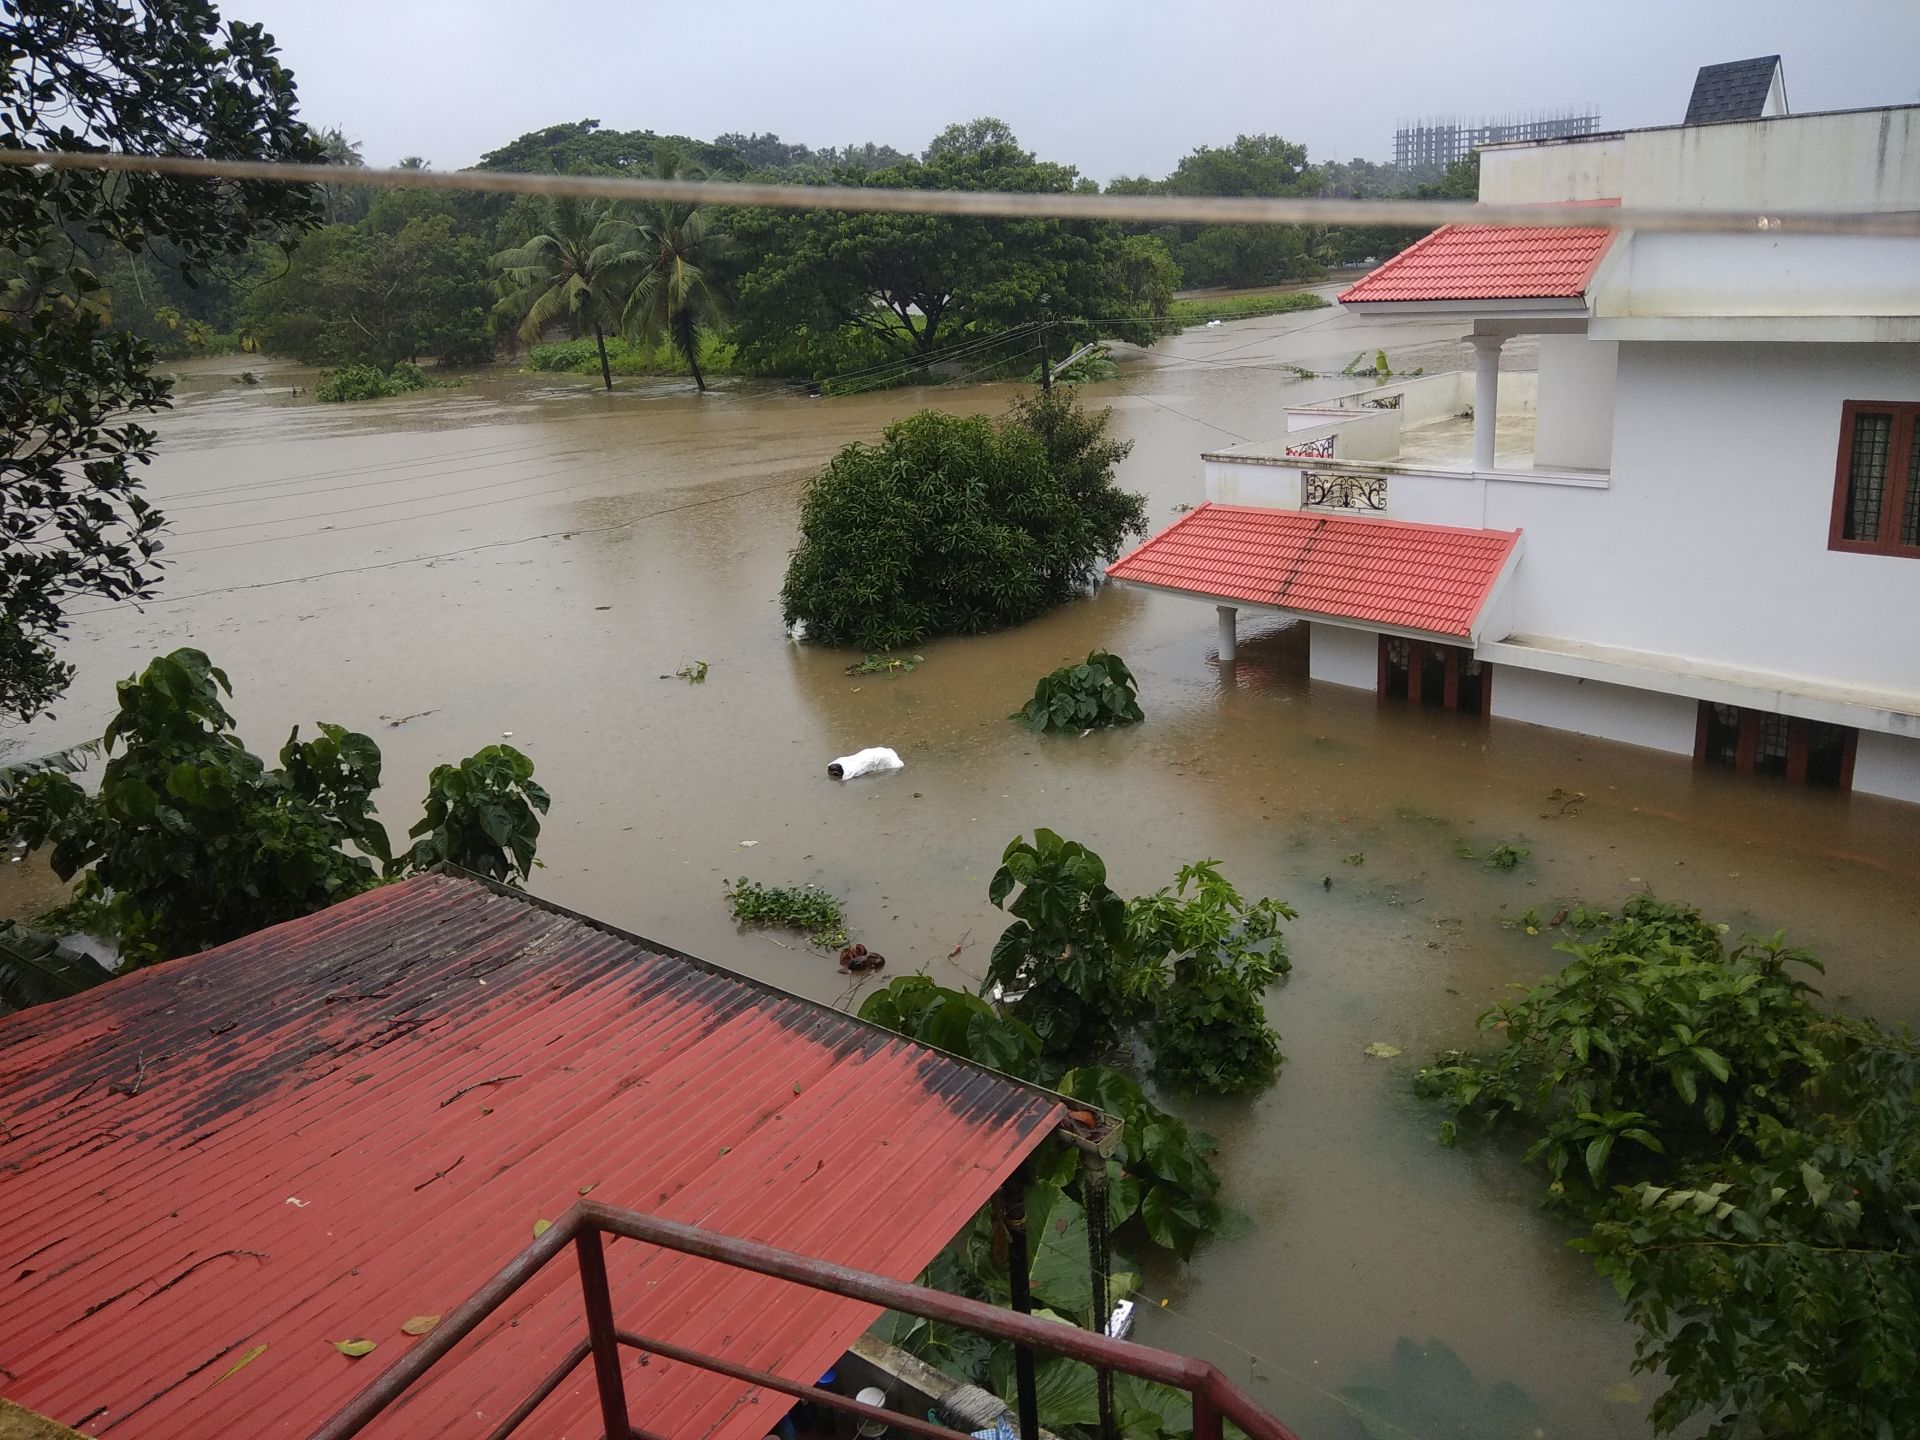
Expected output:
(872, 761)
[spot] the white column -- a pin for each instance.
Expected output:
(1486, 396)
(1227, 616)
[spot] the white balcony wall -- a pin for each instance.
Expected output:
(1573, 419)
(1709, 542)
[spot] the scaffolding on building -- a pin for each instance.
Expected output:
(1438, 142)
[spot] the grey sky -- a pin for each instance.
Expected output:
(1123, 87)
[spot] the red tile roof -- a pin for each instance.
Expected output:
(1488, 262)
(1383, 572)
(213, 1169)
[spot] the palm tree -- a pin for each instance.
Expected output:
(672, 251)
(574, 270)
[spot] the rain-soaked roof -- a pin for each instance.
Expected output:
(214, 1169)
(1435, 578)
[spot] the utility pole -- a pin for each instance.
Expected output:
(1046, 332)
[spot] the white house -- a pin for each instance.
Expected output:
(1696, 528)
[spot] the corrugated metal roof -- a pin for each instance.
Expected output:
(1382, 572)
(1732, 90)
(321, 1130)
(1488, 262)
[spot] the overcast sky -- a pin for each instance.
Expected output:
(1122, 87)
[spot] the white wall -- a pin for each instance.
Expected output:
(1340, 656)
(1710, 542)
(1247, 482)
(1740, 276)
(1573, 418)
(1592, 707)
(1556, 170)
(1888, 765)
(1850, 160)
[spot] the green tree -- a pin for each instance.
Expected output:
(1253, 165)
(1461, 182)
(71, 389)
(571, 272)
(401, 284)
(915, 283)
(954, 525)
(191, 840)
(674, 249)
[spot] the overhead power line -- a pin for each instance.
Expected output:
(1055, 205)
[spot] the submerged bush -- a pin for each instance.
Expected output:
(793, 907)
(957, 524)
(190, 840)
(1654, 1038)
(1217, 955)
(1096, 694)
(1081, 967)
(369, 382)
(1748, 1163)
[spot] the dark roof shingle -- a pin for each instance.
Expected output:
(1735, 90)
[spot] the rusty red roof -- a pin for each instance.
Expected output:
(213, 1169)
(1488, 262)
(1381, 572)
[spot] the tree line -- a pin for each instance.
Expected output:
(394, 276)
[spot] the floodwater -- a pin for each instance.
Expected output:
(298, 544)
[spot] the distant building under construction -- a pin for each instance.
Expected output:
(1436, 144)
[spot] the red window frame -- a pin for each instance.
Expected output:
(1902, 437)
(1747, 746)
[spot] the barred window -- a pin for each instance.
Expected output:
(1876, 491)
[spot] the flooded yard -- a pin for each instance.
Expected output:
(661, 522)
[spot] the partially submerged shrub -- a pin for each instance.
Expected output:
(792, 907)
(369, 382)
(1765, 1243)
(1654, 1034)
(1096, 694)
(956, 524)
(1217, 954)
(1080, 966)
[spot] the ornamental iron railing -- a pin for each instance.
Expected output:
(1334, 490)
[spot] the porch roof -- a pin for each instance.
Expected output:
(1389, 573)
(1488, 262)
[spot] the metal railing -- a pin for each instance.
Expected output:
(1215, 1398)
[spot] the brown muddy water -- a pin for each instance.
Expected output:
(298, 544)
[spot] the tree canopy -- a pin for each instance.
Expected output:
(915, 281)
(163, 78)
(957, 524)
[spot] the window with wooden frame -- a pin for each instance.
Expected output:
(1876, 485)
(1810, 752)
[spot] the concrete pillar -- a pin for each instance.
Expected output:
(1228, 614)
(1486, 396)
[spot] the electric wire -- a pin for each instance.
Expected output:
(1050, 205)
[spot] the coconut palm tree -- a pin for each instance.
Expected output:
(673, 250)
(574, 270)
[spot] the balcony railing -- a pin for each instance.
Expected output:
(1215, 1398)
(1337, 490)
